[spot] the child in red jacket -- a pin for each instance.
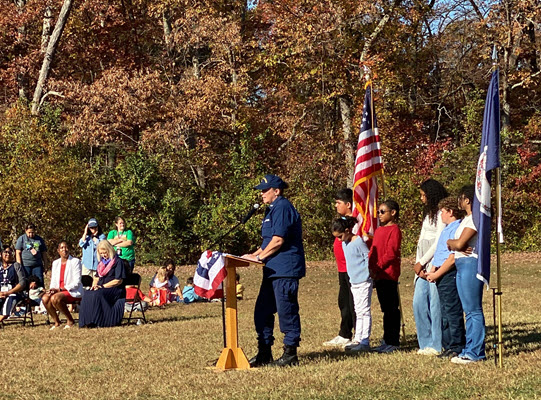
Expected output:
(384, 264)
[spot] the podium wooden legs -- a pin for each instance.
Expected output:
(232, 355)
(233, 359)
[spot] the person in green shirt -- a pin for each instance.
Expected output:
(123, 241)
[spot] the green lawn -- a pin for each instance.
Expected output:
(170, 358)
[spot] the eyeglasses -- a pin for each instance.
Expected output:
(381, 212)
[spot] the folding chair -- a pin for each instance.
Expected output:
(87, 281)
(27, 303)
(134, 280)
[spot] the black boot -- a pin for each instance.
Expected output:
(263, 356)
(289, 358)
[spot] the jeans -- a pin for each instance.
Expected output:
(427, 313)
(37, 271)
(362, 297)
(470, 290)
(347, 308)
(278, 295)
(387, 292)
(452, 315)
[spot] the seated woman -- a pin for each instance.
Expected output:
(66, 287)
(103, 305)
(12, 282)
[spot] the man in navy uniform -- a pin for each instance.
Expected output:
(283, 254)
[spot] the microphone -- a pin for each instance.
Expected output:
(250, 213)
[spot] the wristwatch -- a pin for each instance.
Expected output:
(258, 258)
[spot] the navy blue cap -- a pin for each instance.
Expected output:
(92, 223)
(271, 181)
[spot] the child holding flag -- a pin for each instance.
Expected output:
(356, 254)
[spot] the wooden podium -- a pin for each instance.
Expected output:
(232, 355)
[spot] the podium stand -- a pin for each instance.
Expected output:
(232, 356)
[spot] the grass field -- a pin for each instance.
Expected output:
(169, 358)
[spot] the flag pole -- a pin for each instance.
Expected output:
(383, 191)
(498, 268)
(499, 239)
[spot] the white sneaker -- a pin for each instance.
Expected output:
(338, 341)
(461, 360)
(357, 348)
(428, 351)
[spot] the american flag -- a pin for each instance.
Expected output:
(209, 275)
(368, 166)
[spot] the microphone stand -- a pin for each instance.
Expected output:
(218, 241)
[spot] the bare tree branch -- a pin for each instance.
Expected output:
(516, 85)
(50, 93)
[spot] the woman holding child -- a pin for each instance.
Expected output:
(470, 289)
(66, 287)
(100, 305)
(443, 274)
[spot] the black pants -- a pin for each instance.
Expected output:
(452, 315)
(388, 299)
(347, 308)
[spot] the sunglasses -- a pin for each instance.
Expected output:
(381, 212)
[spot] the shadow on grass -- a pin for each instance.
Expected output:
(518, 337)
(10, 324)
(178, 318)
(336, 354)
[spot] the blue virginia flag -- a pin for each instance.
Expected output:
(489, 159)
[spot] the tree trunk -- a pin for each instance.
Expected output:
(22, 76)
(345, 104)
(377, 30)
(46, 31)
(196, 67)
(49, 54)
(534, 63)
(167, 30)
(345, 113)
(111, 156)
(509, 60)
